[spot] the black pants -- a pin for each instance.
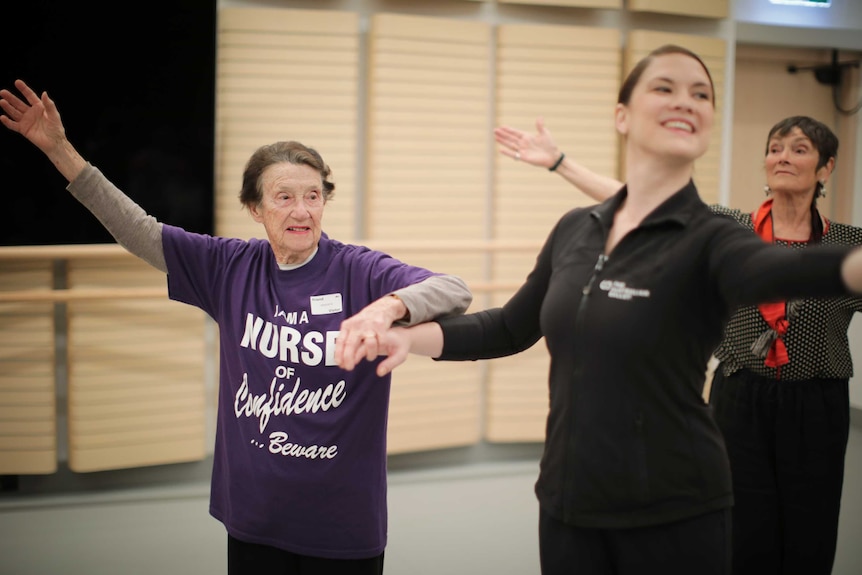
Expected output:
(253, 559)
(786, 441)
(699, 545)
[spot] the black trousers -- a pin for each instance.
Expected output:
(698, 545)
(254, 559)
(786, 441)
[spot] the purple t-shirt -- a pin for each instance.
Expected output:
(300, 450)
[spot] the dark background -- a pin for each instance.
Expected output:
(135, 87)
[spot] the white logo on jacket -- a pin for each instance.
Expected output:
(619, 290)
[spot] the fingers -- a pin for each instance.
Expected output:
(12, 116)
(371, 345)
(385, 366)
(13, 113)
(353, 346)
(391, 362)
(12, 104)
(49, 104)
(350, 342)
(508, 138)
(27, 92)
(540, 125)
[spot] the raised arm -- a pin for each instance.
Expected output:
(37, 119)
(541, 150)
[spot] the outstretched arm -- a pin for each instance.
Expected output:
(851, 271)
(396, 343)
(37, 119)
(541, 150)
(362, 335)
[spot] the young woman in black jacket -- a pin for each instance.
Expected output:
(632, 296)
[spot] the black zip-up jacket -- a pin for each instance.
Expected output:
(629, 440)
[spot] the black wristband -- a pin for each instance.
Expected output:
(557, 163)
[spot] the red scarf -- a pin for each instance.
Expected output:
(774, 313)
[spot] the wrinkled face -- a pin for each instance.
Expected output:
(291, 210)
(670, 113)
(791, 164)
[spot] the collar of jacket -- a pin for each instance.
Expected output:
(679, 208)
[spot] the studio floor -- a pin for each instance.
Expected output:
(454, 521)
(464, 519)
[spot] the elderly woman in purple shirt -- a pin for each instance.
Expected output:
(299, 473)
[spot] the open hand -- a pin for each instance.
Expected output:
(35, 118)
(537, 149)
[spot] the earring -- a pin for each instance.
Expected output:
(821, 188)
(766, 190)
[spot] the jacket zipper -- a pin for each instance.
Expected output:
(600, 263)
(585, 295)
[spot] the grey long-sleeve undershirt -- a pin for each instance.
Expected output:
(141, 234)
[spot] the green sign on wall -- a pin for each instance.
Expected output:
(818, 3)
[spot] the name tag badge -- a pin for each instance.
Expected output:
(326, 304)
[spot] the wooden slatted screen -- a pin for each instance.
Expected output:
(286, 75)
(707, 172)
(136, 372)
(28, 432)
(429, 88)
(702, 8)
(569, 75)
(569, 3)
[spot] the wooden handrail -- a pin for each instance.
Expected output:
(107, 251)
(90, 251)
(89, 294)
(81, 294)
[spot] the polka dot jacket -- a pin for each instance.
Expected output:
(816, 339)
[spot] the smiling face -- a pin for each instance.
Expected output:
(792, 164)
(291, 210)
(670, 111)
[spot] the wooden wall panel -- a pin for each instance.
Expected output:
(517, 397)
(569, 3)
(428, 127)
(701, 8)
(569, 75)
(28, 432)
(136, 372)
(434, 405)
(707, 171)
(417, 145)
(428, 121)
(286, 75)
